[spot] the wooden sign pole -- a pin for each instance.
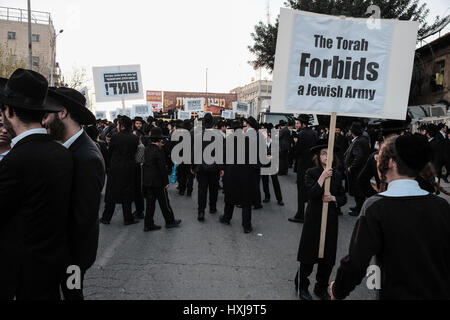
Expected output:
(331, 138)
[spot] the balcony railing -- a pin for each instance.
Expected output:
(21, 15)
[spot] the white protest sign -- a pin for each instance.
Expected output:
(201, 114)
(142, 110)
(118, 83)
(228, 114)
(184, 115)
(313, 120)
(328, 64)
(241, 108)
(100, 115)
(194, 105)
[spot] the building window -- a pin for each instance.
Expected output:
(36, 38)
(11, 35)
(36, 62)
(437, 78)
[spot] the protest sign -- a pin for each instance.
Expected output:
(118, 83)
(184, 115)
(154, 100)
(327, 64)
(228, 114)
(201, 114)
(100, 115)
(142, 110)
(313, 120)
(194, 105)
(241, 108)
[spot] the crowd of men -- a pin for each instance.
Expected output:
(56, 159)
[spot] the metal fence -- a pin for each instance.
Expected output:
(21, 15)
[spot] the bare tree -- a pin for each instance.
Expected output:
(78, 79)
(9, 61)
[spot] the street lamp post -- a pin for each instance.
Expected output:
(30, 43)
(52, 82)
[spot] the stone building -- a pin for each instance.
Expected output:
(431, 77)
(257, 93)
(14, 35)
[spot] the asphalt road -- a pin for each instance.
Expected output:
(208, 261)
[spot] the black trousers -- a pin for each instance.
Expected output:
(126, 209)
(160, 194)
(208, 181)
(246, 214)
(302, 196)
(356, 190)
(185, 178)
(73, 294)
(276, 187)
(322, 277)
(138, 196)
(284, 163)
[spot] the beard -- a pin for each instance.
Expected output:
(56, 129)
(8, 126)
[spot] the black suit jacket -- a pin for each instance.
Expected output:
(87, 185)
(357, 155)
(35, 183)
(307, 138)
(285, 139)
(155, 169)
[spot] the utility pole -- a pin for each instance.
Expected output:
(30, 43)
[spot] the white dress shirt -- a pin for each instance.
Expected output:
(74, 138)
(404, 188)
(4, 155)
(25, 134)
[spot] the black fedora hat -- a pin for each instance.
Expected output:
(303, 118)
(414, 151)
(252, 122)
(138, 119)
(156, 134)
(323, 144)
(27, 89)
(74, 102)
(392, 126)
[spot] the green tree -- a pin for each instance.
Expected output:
(265, 35)
(9, 61)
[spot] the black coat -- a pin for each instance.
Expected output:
(307, 138)
(285, 139)
(122, 151)
(87, 185)
(241, 181)
(308, 251)
(437, 152)
(155, 168)
(35, 184)
(357, 155)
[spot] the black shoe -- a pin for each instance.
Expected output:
(103, 221)
(266, 200)
(181, 193)
(138, 215)
(257, 207)
(201, 216)
(305, 295)
(224, 221)
(189, 193)
(129, 223)
(174, 224)
(248, 230)
(322, 294)
(213, 211)
(353, 214)
(295, 220)
(281, 203)
(152, 228)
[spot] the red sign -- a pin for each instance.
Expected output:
(154, 96)
(214, 102)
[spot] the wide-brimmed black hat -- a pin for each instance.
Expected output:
(356, 128)
(323, 144)
(208, 121)
(282, 123)
(303, 118)
(392, 126)
(74, 102)
(156, 134)
(136, 119)
(414, 151)
(252, 122)
(26, 89)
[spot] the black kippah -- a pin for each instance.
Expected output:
(414, 151)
